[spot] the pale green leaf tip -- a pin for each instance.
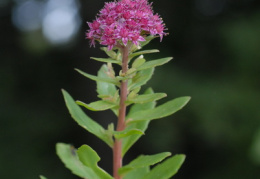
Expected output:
(59, 144)
(42, 177)
(182, 156)
(63, 91)
(170, 58)
(187, 97)
(168, 153)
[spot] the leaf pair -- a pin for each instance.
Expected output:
(140, 167)
(140, 116)
(82, 162)
(135, 116)
(84, 121)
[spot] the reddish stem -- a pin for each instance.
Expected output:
(117, 149)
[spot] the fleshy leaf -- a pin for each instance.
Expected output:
(142, 125)
(161, 111)
(137, 173)
(84, 121)
(143, 161)
(146, 98)
(141, 78)
(110, 53)
(105, 88)
(138, 62)
(42, 177)
(154, 63)
(142, 53)
(127, 132)
(107, 60)
(97, 105)
(96, 78)
(166, 169)
(70, 158)
(90, 159)
(148, 39)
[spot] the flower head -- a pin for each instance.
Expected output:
(125, 21)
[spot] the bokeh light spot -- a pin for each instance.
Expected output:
(27, 16)
(61, 21)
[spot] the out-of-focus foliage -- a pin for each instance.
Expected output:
(216, 48)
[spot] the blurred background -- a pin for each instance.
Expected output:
(216, 46)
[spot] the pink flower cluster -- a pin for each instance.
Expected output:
(125, 21)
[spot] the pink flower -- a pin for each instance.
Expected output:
(125, 35)
(123, 22)
(137, 38)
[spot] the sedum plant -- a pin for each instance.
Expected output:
(124, 27)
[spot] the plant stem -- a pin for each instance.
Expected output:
(117, 149)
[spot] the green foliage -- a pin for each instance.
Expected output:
(166, 169)
(138, 62)
(127, 132)
(84, 121)
(159, 112)
(154, 63)
(148, 39)
(143, 161)
(142, 125)
(97, 106)
(70, 158)
(137, 173)
(83, 162)
(107, 60)
(42, 177)
(142, 53)
(110, 53)
(90, 159)
(145, 98)
(140, 79)
(96, 78)
(105, 89)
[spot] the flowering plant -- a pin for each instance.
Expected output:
(124, 28)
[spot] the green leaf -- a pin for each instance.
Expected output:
(127, 132)
(107, 91)
(142, 53)
(154, 63)
(42, 177)
(105, 88)
(84, 121)
(143, 161)
(138, 62)
(90, 159)
(146, 98)
(96, 78)
(148, 39)
(142, 125)
(137, 173)
(110, 53)
(161, 111)
(141, 78)
(70, 158)
(97, 106)
(166, 169)
(107, 60)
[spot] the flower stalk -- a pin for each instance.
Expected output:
(117, 149)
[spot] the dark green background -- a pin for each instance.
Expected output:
(216, 46)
